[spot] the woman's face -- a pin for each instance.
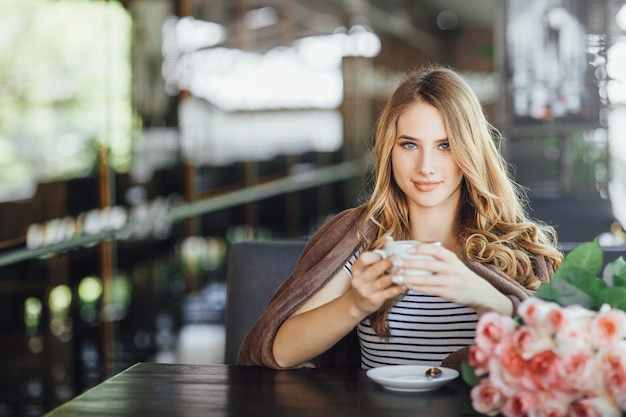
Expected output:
(422, 163)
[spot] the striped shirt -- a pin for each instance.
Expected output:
(424, 330)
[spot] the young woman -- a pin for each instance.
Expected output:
(439, 176)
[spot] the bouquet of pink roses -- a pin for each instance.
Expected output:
(565, 353)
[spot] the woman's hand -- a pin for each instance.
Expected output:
(371, 283)
(452, 280)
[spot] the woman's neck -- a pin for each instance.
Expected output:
(431, 225)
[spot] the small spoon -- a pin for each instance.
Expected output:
(432, 373)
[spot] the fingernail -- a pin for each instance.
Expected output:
(397, 279)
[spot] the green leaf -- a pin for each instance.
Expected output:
(587, 256)
(548, 292)
(615, 297)
(468, 374)
(618, 271)
(468, 410)
(581, 279)
(572, 285)
(569, 294)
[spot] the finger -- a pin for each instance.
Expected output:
(384, 282)
(425, 266)
(394, 291)
(427, 284)
(368, 258)
(373, 261)
(421, 281)
(437, 292)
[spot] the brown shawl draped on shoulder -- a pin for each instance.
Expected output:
(323, 256)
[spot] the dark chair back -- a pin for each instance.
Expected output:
(255, 270)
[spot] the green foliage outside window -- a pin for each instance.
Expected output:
(65, 78)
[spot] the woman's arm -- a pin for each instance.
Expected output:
(318, 325)
(334, 311)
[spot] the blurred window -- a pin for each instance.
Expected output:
(63, 96)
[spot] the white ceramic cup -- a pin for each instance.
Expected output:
(403, 249)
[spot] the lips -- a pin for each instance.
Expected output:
(426, 186)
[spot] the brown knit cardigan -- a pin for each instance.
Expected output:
(324, 255)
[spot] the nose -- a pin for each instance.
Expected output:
(427, 163)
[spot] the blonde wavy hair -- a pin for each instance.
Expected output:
(493, 225)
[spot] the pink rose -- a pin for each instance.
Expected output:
(556, 318)
(530, 341)
(508, 370)
(545, 369)
(547, 406)
(478, 359)
(577, 312)
(613, 364)
(519, 405)
(562, 361)
(616, 382)
(486, 399)
(595, 407)
(608, 327)
(491, 329)
(534, 312)
(510, 357)
(581, 372)
(573, 337)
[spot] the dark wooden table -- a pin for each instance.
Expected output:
(149, 389)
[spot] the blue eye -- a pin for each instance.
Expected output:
(408, 145)
(445, 146)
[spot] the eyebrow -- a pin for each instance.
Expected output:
(420, 140)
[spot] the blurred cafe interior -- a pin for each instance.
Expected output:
(139, 139)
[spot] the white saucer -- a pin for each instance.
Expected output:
(410, 378)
